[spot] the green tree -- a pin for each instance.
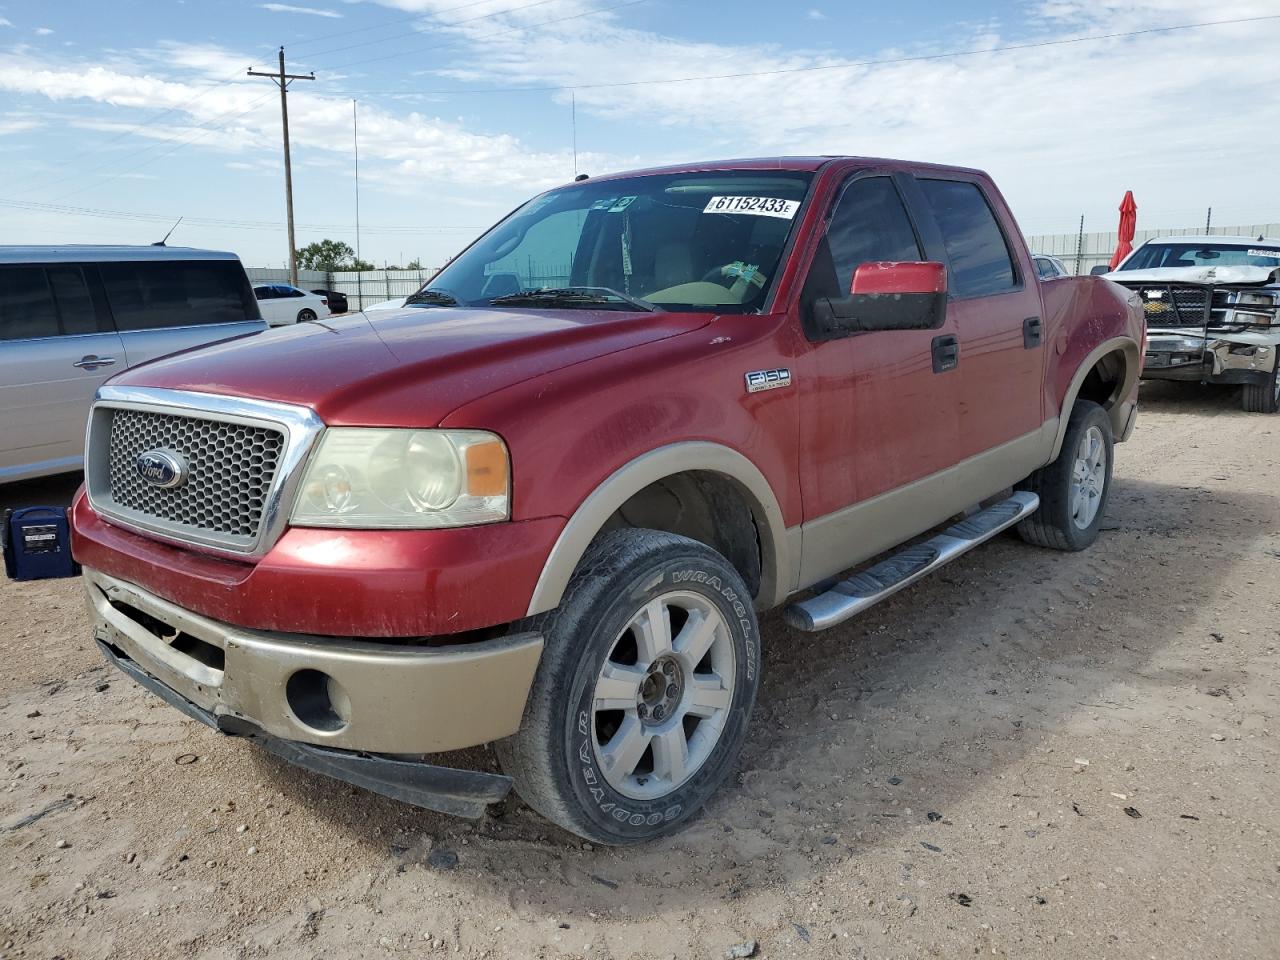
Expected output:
(329, 255)
(414, 264)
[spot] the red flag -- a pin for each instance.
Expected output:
(1128, 226)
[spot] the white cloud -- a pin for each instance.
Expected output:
(406, 151)
(816, 14)
(290, 8)
(43, 31)
(1066, 129)
(5, 22)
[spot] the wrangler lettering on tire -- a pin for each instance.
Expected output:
(641, 702)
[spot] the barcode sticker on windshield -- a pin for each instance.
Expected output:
(1264, 253)
(756, 206)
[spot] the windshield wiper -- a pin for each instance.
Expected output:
(572, 297)
(434, 297)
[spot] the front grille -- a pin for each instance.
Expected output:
(231, 469)
(1167, 306)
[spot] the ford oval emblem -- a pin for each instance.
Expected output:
(162, 468)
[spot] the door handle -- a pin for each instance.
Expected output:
(93, 362)
(1032, 332)
(946, 353)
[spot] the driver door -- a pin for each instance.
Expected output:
(879, 422)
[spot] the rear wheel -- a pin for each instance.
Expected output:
(640, 705)
(1263, 397)
(305, 315)
(1074, 489)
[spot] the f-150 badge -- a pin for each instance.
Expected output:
(758, 380)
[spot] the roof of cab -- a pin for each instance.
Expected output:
(801, 164)
(97, 253)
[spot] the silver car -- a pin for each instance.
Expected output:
(72, 316)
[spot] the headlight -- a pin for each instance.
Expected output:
(366, 477)
(1263, 298)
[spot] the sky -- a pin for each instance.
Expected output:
(117, 118)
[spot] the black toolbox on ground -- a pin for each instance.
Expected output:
(37, 543)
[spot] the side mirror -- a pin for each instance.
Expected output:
(1099, 270)
(887, 295)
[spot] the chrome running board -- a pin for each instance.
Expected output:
(865, 589)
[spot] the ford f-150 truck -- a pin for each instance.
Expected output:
(541, 506)
(1213, 312)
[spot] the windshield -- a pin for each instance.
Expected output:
(1152, 255)
(691, 242)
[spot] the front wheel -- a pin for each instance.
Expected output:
(640, 705)
(1263, 397)
(1074, 488)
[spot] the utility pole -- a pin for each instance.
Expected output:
(355, 142)
(1208, 221)
(282, 80)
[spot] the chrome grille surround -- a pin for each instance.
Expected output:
(245, 459)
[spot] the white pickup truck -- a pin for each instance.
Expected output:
(1213, 312)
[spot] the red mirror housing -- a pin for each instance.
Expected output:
(900, 277)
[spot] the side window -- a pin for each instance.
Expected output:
(869, 223)
(263, 293)
(293, 292)
(980, 261)
(26, 304)
(175, 293)
(71, 294)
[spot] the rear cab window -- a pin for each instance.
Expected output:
(981, 264)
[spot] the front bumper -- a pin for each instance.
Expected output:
(462, 793)
(338, 694)
(337, 583)
(1220, 358)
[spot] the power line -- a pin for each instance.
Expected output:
(820, 67)
(150, 121)
(159, 156)
(124, 215)
(485, 36)
(388, 23)
(416, 33)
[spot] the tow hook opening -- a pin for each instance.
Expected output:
(318, 701)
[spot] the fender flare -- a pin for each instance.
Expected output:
(634, 476)
(1119, 410)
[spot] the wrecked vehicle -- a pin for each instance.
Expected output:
(1213, 312)
(542, 505)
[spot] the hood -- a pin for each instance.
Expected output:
(1202, 276)
(408, 367)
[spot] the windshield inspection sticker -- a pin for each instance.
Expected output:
(1273, 254)
(756, 206)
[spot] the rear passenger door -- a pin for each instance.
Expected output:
(994, 304)
(56, 348)
(163, 306)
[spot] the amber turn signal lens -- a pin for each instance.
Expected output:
(487, 469)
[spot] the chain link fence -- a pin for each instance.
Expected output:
(1083, 252)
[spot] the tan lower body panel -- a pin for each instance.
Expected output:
(386, 698)
(839, 540)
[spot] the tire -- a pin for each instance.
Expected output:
(576, 758)
(1065, 521)
(305, 315)
(1263, 397)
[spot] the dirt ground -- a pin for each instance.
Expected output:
(1033, 754)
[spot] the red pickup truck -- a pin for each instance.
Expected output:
(541, 506)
